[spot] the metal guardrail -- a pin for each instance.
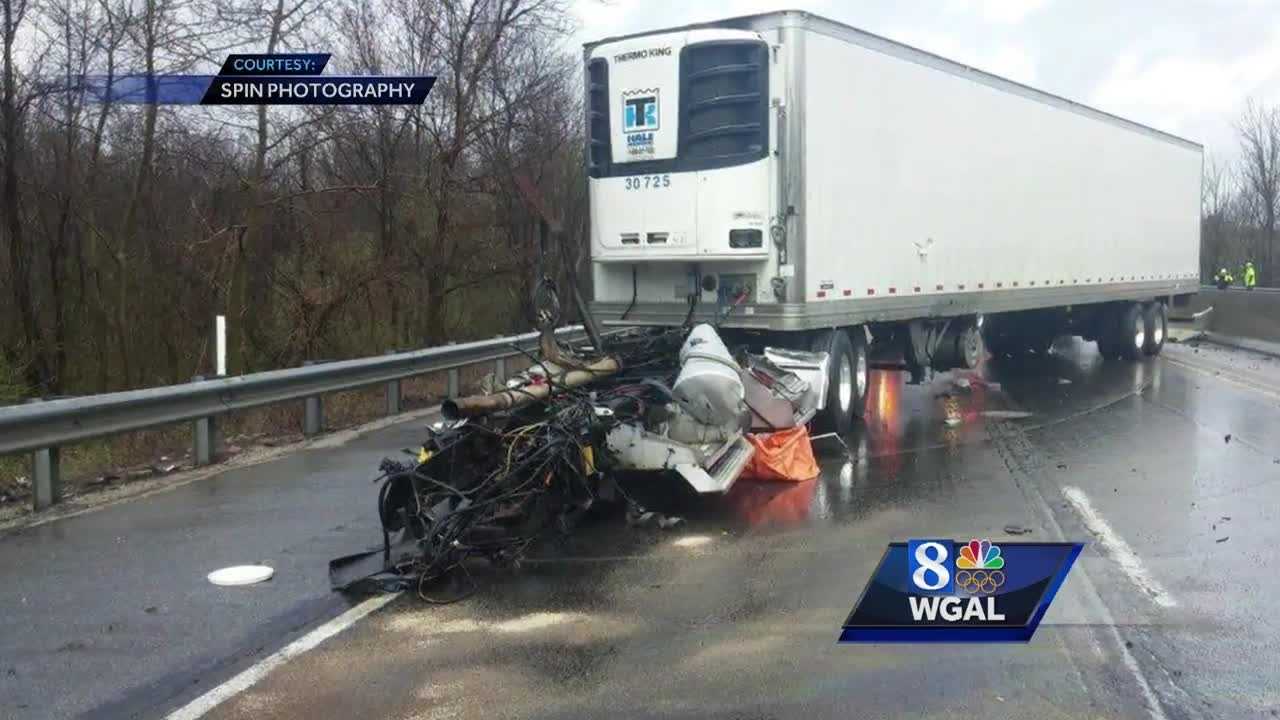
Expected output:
(42, 427)
(1241, 288)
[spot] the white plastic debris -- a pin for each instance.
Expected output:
(241, 575)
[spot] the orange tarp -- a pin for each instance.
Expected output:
(784, 455)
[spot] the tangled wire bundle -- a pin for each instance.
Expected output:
(489, 487)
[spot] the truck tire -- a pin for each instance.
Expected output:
(969, 347)
(861, 370)
(847, 380)
(1130, 331)
(1157, 324)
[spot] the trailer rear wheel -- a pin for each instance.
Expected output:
(847, 379)
(1130, 331)
(1157, 326)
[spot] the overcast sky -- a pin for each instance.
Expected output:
(1185, 66)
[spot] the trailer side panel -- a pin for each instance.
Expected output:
(919, 181)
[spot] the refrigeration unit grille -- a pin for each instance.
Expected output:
(724, 102)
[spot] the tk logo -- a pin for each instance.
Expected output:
(640, 111)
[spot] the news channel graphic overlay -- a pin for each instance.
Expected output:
(275, 64)
(948, 591)
(262, 79)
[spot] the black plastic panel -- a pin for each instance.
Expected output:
(599, 150)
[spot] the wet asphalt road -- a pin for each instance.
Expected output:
(735, 614)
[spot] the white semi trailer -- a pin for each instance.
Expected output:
(819, 187)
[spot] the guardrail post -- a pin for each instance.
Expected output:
(394, 395)
(454, 387)
(500, 371)
(46, 476)
(204, 437)
(313, 412)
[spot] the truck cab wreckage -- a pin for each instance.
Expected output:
(505, 467)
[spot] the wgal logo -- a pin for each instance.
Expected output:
(941, 590)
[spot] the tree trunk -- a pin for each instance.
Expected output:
(37, 373)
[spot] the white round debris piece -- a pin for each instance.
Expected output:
(241, 575)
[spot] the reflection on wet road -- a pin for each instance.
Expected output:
(1167, 468)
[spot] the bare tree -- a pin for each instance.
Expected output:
(1259, 129)
(330, 232)
(13, 107)
(1217, 194)
(473, 37)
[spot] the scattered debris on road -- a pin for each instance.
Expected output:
(238, 575)
(637, 516)
(1005, 414)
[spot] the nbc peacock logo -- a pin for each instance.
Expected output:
(979, 568)
(980, 555)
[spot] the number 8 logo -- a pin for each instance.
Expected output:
(931, 558)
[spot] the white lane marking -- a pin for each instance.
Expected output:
(1090, 596)
(1154, 709)
(1117, 548)
(248, 678)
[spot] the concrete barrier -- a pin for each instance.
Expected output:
(1238, 312)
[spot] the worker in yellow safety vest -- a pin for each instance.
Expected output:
(1223, 279)
(1250, 276)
